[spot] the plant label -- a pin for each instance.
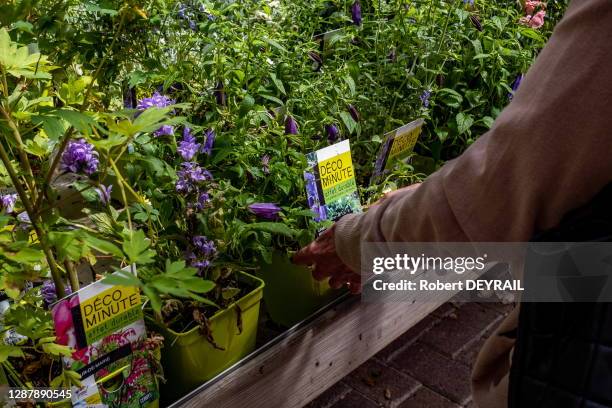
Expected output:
(397, 145)
(330, 182)
(104, 325)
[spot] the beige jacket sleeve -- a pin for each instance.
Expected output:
(548, 152)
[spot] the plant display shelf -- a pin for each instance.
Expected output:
(297, 366)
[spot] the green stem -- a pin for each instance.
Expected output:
(25, 199)
(23, 157)
(121, 182)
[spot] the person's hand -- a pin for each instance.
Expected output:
(327, 264)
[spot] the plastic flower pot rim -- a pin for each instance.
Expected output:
(245, 301)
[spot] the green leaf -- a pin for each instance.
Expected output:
(122, 278)
(275, 44)
(102, 245)
(28, 255)
(272, 227)
(136, 247)
(7, 351)
(351, 84)
(464, 122)
(278, 83)
(348, 120)
(56, 349)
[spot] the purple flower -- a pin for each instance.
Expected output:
(470, 2)
(190, 176)
(156, 100)
(354, 113)
(79, 157)
(188, 147)
(7, 202)
(425, 98)
(165, 130)
(267, 211)
(220, 94)
(332, 132)
(515, 85)
(47, 291)
(291, 126)
(356, 13)
(209, 142)
(265, 164)
(104, 193)
(203, 245)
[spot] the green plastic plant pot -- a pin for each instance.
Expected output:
(189, 359)
(291, 293)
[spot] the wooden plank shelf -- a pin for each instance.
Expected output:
(300, 364)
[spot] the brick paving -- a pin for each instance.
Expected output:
(427, 367)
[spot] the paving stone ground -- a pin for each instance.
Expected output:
(427, 367)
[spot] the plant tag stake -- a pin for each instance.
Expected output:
(330, 182)
(397, 145)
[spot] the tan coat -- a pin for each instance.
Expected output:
(548, 152)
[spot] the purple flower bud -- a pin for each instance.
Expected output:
(315, 57)
(356, 13)
(129, 98)
(209, 142)
(425, 98)
(291, 126)
(188, 147)
(7, 202)
(354, 113)
(165, 130)
(476, 22)
(392, 55)
(79, 157)
(220, 94)
(156, 100)
(515, 86)
(104, 193)
(332, 132)
(267, 211)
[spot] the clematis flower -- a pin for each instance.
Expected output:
(188, 147)
(79, 157)
(291, 126)
(267, 211)
(425, 98)
(156, 100)
(203, 245)
(47, 291)
(190, 176)
(7, 202)
(209, 142)
(165, 130)
(104, 193)
(332, 132)
(354, 113)
(356, 13)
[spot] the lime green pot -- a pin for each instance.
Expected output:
(291, 293)
(189, 359)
